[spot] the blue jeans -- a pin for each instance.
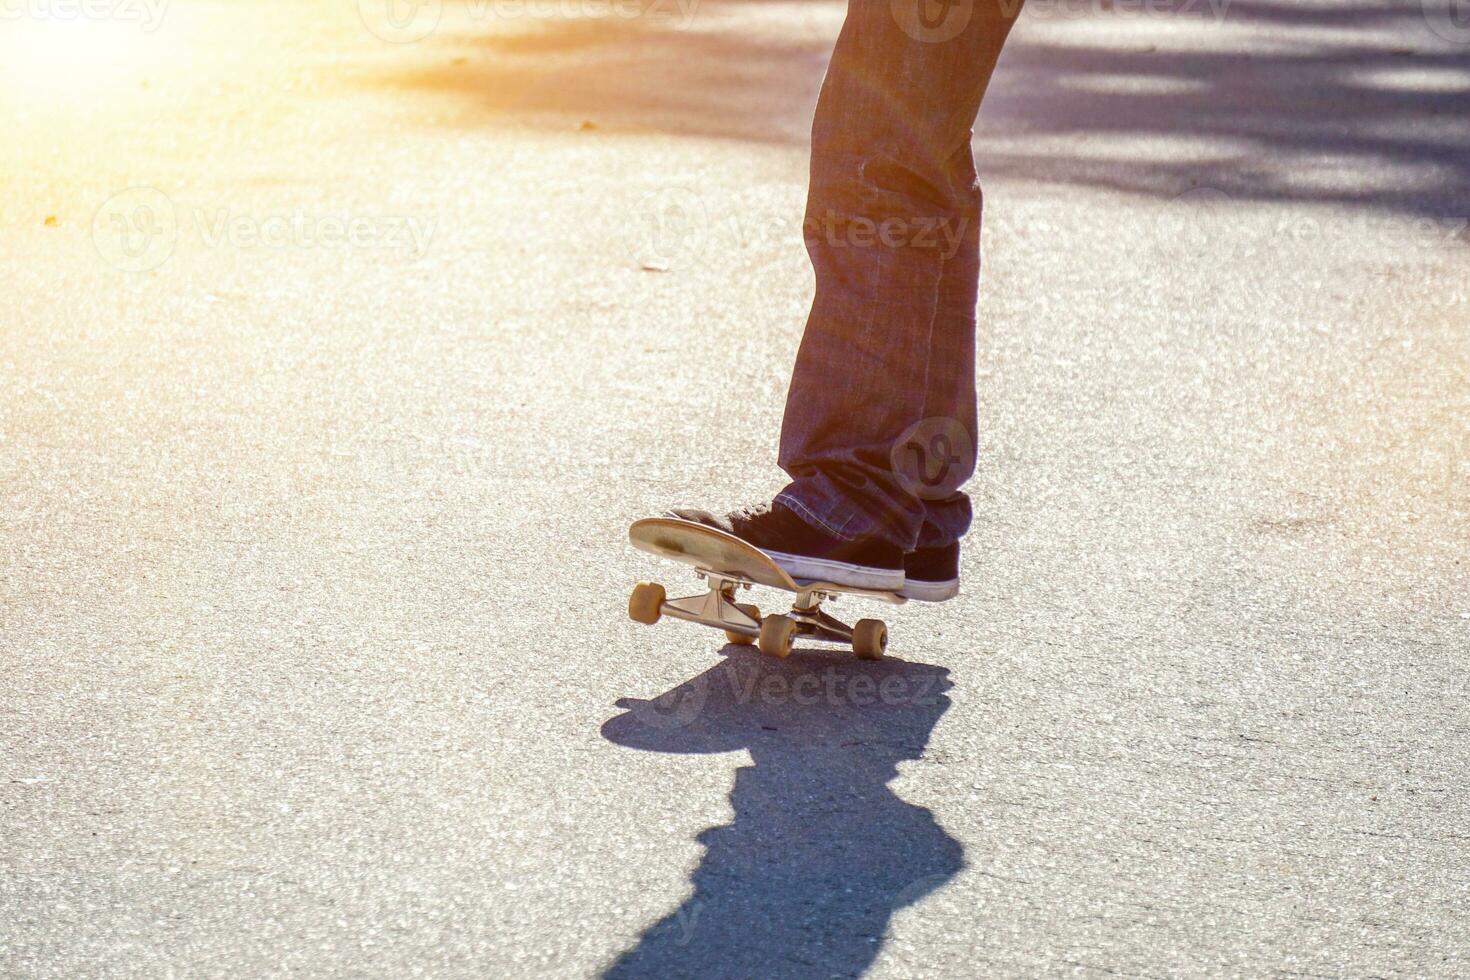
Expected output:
(879, 432)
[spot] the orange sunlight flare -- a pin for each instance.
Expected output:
(62, 50)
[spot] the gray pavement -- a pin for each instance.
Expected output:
(333, 368)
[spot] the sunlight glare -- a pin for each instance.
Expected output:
(60, 58)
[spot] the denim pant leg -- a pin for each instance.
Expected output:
(889, 224)
(950, 387)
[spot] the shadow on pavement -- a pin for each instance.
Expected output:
(1355, 103)
(821, 853)
(712, 77)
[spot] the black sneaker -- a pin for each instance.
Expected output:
(932, 574)
(807, 553)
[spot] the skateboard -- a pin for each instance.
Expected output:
(727, 564)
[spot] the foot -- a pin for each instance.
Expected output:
(807, 553)
(932, 574)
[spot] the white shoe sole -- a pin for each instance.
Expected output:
(930, 591)
(807, 569)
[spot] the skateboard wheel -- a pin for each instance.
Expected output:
(740, 638)
(869, 639)
(777, 633)
(646, 604)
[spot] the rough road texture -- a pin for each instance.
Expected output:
(312, 561)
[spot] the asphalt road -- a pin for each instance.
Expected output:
(332, 370)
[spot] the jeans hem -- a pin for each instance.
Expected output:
(786, 499)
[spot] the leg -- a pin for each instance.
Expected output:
(951, 382)
(890, 186)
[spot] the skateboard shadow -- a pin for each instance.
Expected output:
(821, 852)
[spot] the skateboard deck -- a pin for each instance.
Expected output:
(728, 564)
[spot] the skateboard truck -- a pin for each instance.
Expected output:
(728, 564)
(743, 623)
(813, 621)
(718, 607)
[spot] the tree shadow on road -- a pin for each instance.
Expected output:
(821, 852)
(712, 77)
(1356, 104)
(1352, 104)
